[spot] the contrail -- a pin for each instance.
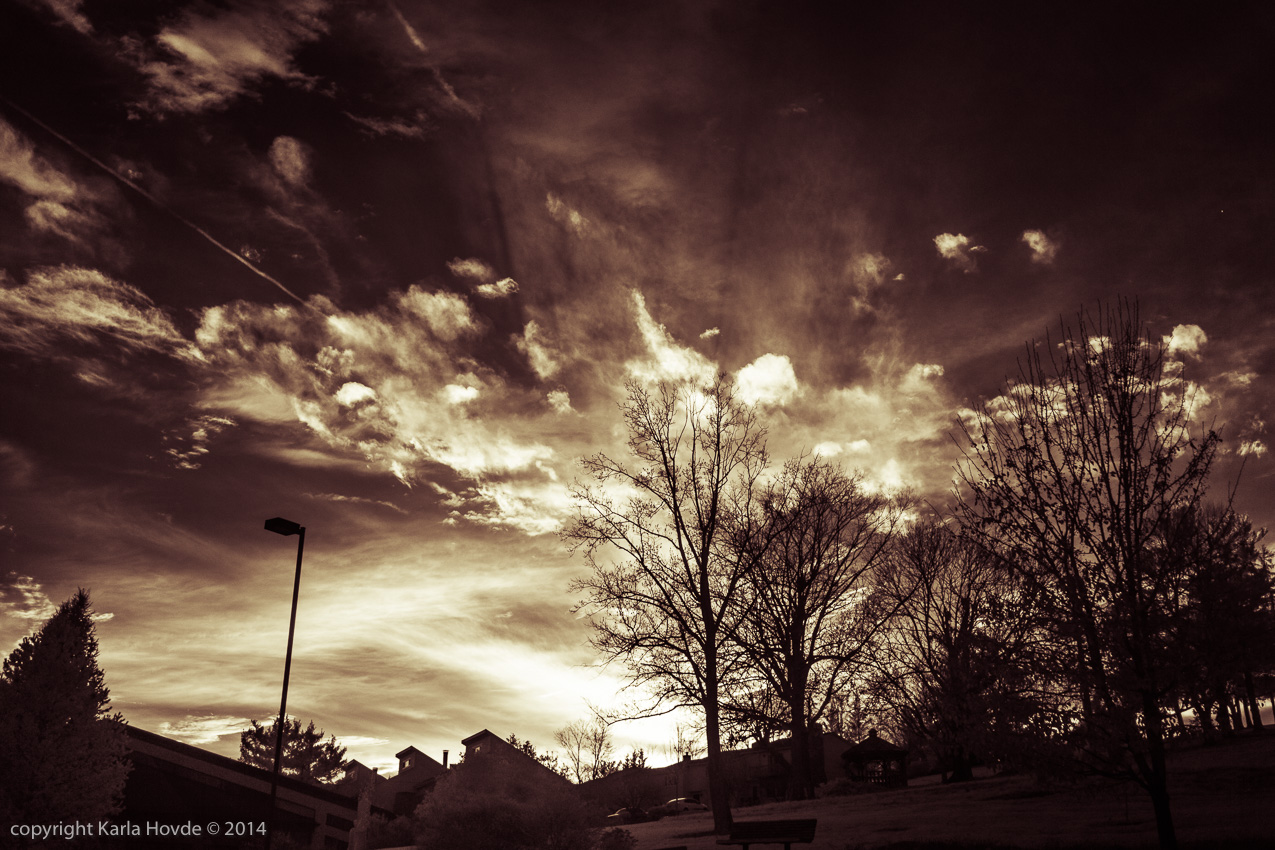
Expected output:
(154, 200)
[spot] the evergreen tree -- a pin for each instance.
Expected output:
(306, 756)
(62, 756)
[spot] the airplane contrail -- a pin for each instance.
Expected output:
(154, 200)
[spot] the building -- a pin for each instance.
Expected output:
(403, 792)
(175, 784)
(758, 774)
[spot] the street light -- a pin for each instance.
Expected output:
(287, 528)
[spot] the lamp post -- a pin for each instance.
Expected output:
(279, 525)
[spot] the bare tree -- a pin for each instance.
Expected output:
(957, 666)
(1071, 472)
(666, 605)
(587, 745)
(813, 613)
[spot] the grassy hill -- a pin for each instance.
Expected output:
(1223, 797)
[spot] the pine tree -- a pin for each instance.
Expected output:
(62, 756)
(306, 756)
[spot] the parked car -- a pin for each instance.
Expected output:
(627, 815)
(685, 804)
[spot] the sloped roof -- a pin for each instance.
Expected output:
(873, 746)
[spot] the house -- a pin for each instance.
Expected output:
(176, 784)
(757, 774)
(501, 758)
(876, 761)
(403, 792)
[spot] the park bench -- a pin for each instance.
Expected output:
(785, 832)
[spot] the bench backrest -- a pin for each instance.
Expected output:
(759, 830)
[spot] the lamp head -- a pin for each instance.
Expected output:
(279, 525)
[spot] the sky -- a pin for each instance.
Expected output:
(384, 268)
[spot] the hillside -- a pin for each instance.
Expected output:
(1223, 796)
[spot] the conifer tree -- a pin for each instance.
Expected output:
(62, 755)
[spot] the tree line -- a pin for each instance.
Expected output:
(1077, 597)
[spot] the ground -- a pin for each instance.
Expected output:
(1223, 796)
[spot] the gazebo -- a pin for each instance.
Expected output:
(876, 761)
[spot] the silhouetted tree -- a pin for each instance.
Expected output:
(1224, 629)
(587, 747)
(1072, 473)
(812, 611)
(958, 666)
(306, 756)
(548, 758)
(667, 607)
(62, 756)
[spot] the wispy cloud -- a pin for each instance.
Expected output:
(73, 304)
(204, 729)
(57, 202)
(206, 59)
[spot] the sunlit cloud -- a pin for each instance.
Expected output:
(210, 57)
(665, 359)
(205, 729)
(187, 446)
(500, 289)
(355, 500)
(72, 304)
(291, 160)
(57, 202)
(540, 355)
(1256, 448)
(957, 248)
(1043, 249)
(768, 380)
(710, 333)
(1185, 339)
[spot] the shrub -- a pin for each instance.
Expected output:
(616, 839)
(480, 807)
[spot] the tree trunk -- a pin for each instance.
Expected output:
(800, 786)
(1157, 778)
(718, 793)
(1254, 707)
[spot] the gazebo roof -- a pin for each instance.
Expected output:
(873, 747)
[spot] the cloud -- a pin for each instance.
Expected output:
(356, 500)
(59, 204)
(72, 304)
(188, 446)
(540, 355)
(23, 598)
(502, 288)
(710, 333)
(472, 268)
(1042, 247)
(768, 380)
(70, 11)
(399, 385)
(1185, 339)
(211, 57)
(666, 360)
(291, 160)
(565, 215)
(204, 728)
(560, 401)
(1253, 447)
(957, 249)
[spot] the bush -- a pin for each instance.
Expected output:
(616, 839)
(480, 807)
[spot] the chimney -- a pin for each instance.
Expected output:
(444, 759)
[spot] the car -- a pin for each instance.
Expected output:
(685, 804)
(627, 815)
